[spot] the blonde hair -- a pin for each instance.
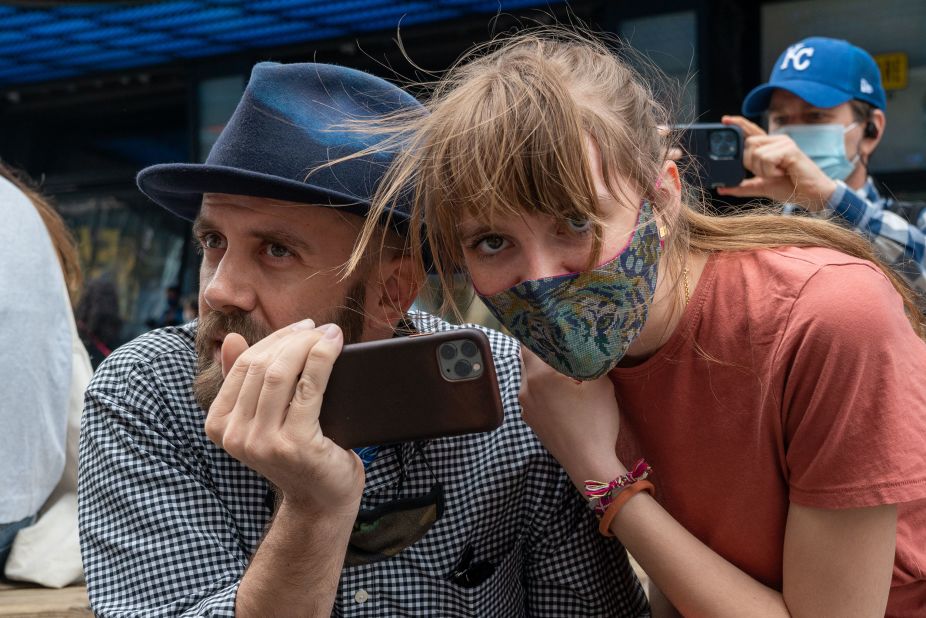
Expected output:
(505, 132)
(61, 238)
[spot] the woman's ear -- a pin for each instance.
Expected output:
(670, 178)
(669, 189)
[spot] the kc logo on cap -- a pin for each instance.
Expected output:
(798, 56)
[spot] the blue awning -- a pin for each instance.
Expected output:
(71, 40)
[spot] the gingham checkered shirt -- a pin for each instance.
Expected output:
(168, 520)
(896, 229)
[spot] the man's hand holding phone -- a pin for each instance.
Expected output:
(782, 172)
(266, 416)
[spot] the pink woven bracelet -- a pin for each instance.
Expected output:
(600, 494)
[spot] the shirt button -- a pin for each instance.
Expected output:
(361, 596)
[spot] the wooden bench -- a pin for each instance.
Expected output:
(19, 599)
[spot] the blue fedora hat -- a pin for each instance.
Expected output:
(291, 121)
(824, 72)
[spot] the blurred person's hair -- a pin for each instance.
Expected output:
(61, 237)
(97, 313)
(504, 133)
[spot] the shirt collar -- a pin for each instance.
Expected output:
(868, 191)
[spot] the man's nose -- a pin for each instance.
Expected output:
(231, 287)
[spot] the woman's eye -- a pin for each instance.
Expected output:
(578, 226)
(491, 244)
(278, 251)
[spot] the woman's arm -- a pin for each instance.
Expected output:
(836, 562)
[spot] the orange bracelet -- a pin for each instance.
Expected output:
(604, 526)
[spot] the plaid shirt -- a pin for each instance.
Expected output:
(168, 520)
(896, 229)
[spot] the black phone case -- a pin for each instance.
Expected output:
(389, 391)
(703, 169)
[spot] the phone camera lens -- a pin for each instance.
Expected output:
(723, 143)
(469, 349)
(448, 351)
(463, 368)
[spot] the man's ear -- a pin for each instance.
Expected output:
(391, 289)
(873, 132)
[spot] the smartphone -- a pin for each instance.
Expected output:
(712, 154)
(409, 388)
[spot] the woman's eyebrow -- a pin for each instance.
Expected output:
(470, 230)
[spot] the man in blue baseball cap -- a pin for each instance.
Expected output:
(825, 108)
(206, 485)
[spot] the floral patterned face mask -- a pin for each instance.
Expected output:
(581, 324)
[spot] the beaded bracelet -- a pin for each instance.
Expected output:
(600, 494)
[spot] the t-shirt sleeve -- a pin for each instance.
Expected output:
(854, 397)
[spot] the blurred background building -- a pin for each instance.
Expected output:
(92, 92)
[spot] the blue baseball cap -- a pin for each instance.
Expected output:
(824, 72)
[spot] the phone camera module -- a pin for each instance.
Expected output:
(469, 349)
(448, 351)
(463, 368)
(724, 144)
(460, 359)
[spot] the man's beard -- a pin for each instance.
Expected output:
(215, 324)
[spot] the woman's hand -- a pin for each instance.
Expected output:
(578, 422)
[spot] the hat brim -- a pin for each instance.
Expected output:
(818, 95)
(179, 187)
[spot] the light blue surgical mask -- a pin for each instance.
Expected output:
(825, 144)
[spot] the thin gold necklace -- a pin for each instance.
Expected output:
(687, 291)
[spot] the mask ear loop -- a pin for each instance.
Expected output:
(438, 487)
(419, 449)
(661, 229)
(869, 131)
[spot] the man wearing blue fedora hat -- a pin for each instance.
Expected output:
(249, 509)
(825, 106)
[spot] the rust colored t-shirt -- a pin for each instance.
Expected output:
(793, 376)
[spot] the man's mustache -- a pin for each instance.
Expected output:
(214, 325)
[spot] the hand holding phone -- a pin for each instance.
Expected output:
(782, 172)
(712, 154)
(412, 388)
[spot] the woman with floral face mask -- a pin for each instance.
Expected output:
(750, 360)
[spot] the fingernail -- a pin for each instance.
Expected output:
(331, 331)
(303, 325)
